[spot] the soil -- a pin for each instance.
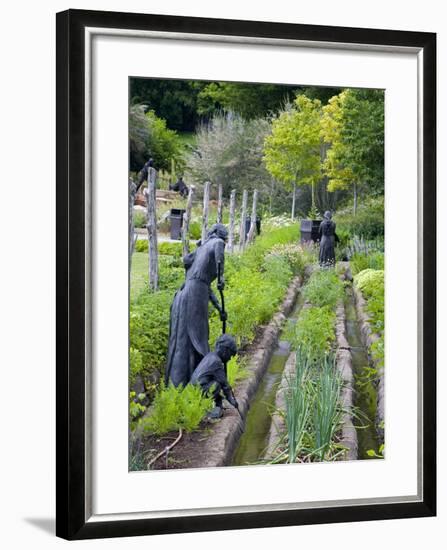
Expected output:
(180, 456)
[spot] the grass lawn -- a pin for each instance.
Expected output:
(139, 274)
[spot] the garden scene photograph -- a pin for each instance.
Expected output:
(256, 274)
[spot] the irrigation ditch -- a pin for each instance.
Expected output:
(252, 436)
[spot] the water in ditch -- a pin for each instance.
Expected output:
(365, 392)
(253, 441)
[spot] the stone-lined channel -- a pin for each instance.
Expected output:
(365, 393)
(253, 442)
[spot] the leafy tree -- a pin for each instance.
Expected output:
(292, 152)
(353, 125)
(149, 137)
(248, 100)
(229, 151)
(172, 100)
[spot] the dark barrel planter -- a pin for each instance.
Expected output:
(310, 230)
(176, 217)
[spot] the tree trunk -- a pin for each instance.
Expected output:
(219, 204)
(355, 199)
(313, 196)
(232, 220)
(243, 216)
(206, 204)
(187, 220)
(152, 229)
(293, 200)
(252, 231)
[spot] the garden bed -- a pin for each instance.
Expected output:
(214, 444)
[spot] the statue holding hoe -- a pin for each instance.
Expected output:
(189, 328)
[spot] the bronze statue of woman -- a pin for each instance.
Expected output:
(189, 327)
(328, 238)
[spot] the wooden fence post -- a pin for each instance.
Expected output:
(219, 203)
(186, 221)
(132, 193)
(232, 220)
(252, 231)
(206, 204)
(243, 216)
(152, 228)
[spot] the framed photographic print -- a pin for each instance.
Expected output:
(246, 303)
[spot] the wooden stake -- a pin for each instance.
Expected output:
(187, 220)
(132, 193)
(243, 216)
(252, 231)
(219, 204)
(151, 227)
(232, 220)
(206, 204)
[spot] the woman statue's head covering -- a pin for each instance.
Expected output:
(218, 230)
(327, 215)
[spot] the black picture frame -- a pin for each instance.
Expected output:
(72, 520)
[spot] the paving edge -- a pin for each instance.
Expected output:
(343, 360)
(368, 338)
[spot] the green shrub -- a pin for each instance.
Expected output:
(368, 222)
(176, 407)
(324, 288)
(139, 219)
(371, 282)
(141, 245)
(149, 330)
(136, 364)
(170, 249)
(361, 261)
(136, 408)
(314, 331)
(195, 230)
(296, 255)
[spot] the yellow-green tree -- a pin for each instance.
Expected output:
(292, 152)
(353, 125)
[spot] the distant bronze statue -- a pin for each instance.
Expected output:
(328, 238)
(211, 375)
(181, 187)
(189, 328)
(143, 173)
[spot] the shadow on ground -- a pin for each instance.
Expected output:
(45, 524)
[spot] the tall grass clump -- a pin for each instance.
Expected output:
(297, 408)
(312, 412)
(326, 406)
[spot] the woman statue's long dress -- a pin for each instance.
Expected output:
(328, 238)
(189, 328)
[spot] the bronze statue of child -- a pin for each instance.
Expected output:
(210, 374)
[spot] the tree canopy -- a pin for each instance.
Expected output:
(229, 151)
(353, 125)
(149, 137)
(292, 152)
